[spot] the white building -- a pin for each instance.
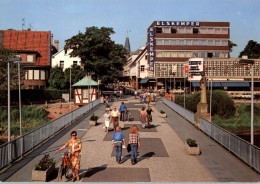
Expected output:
(63, 59)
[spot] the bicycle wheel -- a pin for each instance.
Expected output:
(60, 173)
(67, 172)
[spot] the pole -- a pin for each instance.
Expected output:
(9, 116)
(70, 90)
(174, 88)
(184, 88)
(20, 108)
(210, 102)
(252, 105)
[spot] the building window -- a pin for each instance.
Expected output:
(210, 55)
(188, 54)
(181, 30)
(30, 74)
(217, 54)
(188, 42)
(181, 54)
(195, 31)
(195, 42)
(75, 63)
(224, 43)
(29, 58)
(181, 42)
(62, 64)
(217, 30)
(84, 93)
(203, 42)
(174, 42)
(146, 57)
(173, 30)
(158, 54)
(174, 54)
(42, 74)
(159, 42)
(210, 42)
(166, 30)
(166, 42)
(189, 30)
(203, 30)
(224, 31)
(203, 54)
(158, 30)
(195, 54)
(36, 75)
(217, 42)
(142, 68)
(211, 30)
(26, 75)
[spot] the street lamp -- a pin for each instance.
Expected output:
(8, 103)
(246, 62)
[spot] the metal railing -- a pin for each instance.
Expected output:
(21, 145)
(180, 110)
(250, 154)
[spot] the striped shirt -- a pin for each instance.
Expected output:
(134, 138)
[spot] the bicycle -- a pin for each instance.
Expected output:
(65, 168)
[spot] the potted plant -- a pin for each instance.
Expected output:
(162, 114)
(192, 147)
(93, 120)
(44, 169)
(107, 107)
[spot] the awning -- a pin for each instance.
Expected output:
(144, 81)
(222, 84)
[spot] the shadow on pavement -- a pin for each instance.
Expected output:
(90, 172)
(146, 156)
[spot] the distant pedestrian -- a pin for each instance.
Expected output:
(102, 99)
(143, 116)
(134, 141)
(135, 94)
(106, 100)
(118, 140)
(121, 94)
(144, 97)
(106, 120)
(149, 116)
(114, 117)
(155, 97)
(122, 111)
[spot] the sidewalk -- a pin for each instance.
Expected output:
(162, 157)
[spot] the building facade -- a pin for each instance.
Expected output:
(34, 47)
(172, 43)
(64, 60)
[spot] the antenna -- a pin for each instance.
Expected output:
(23, 23)
(127, 31)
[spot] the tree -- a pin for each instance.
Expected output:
(56, 79)
(231, 45)
(77, 73)
(252, 50)
(6, 54)
(98, 53)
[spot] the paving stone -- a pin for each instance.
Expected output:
(152, 128)
(109, 134)
(103, 174)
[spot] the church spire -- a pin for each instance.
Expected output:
(127, 43)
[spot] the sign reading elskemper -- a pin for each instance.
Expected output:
(178, 23)
(151, 48)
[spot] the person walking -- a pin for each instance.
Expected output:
(74, 150)
(106, 100)
(122, 111)
(149, 116)
(143, 116)
(118, 140)
(114, 117)
(134, 141)
(106, 120)
(135, 94)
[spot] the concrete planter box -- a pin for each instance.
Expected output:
(38, 175)
(107, 108)
(163, 115)
(92, 123)
(192, 150)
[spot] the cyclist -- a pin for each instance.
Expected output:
(74, 150)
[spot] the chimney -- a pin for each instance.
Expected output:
(56, 44)
(51, 39)
(244, 57)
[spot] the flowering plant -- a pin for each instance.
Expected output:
(192, 143)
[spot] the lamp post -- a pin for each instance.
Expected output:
(246, 62)
(70, 90)
(8, 103)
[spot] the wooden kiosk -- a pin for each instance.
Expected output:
(85, 91)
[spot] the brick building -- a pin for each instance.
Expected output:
(35, 49)
(172, 43)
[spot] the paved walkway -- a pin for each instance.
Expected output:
(162, 157)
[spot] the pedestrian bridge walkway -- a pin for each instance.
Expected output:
(162, 156)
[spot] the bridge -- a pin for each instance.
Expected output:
(162, 157)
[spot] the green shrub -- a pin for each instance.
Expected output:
(191, 143)
(222, 104)
(93, 117)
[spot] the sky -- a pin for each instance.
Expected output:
(66, 18)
